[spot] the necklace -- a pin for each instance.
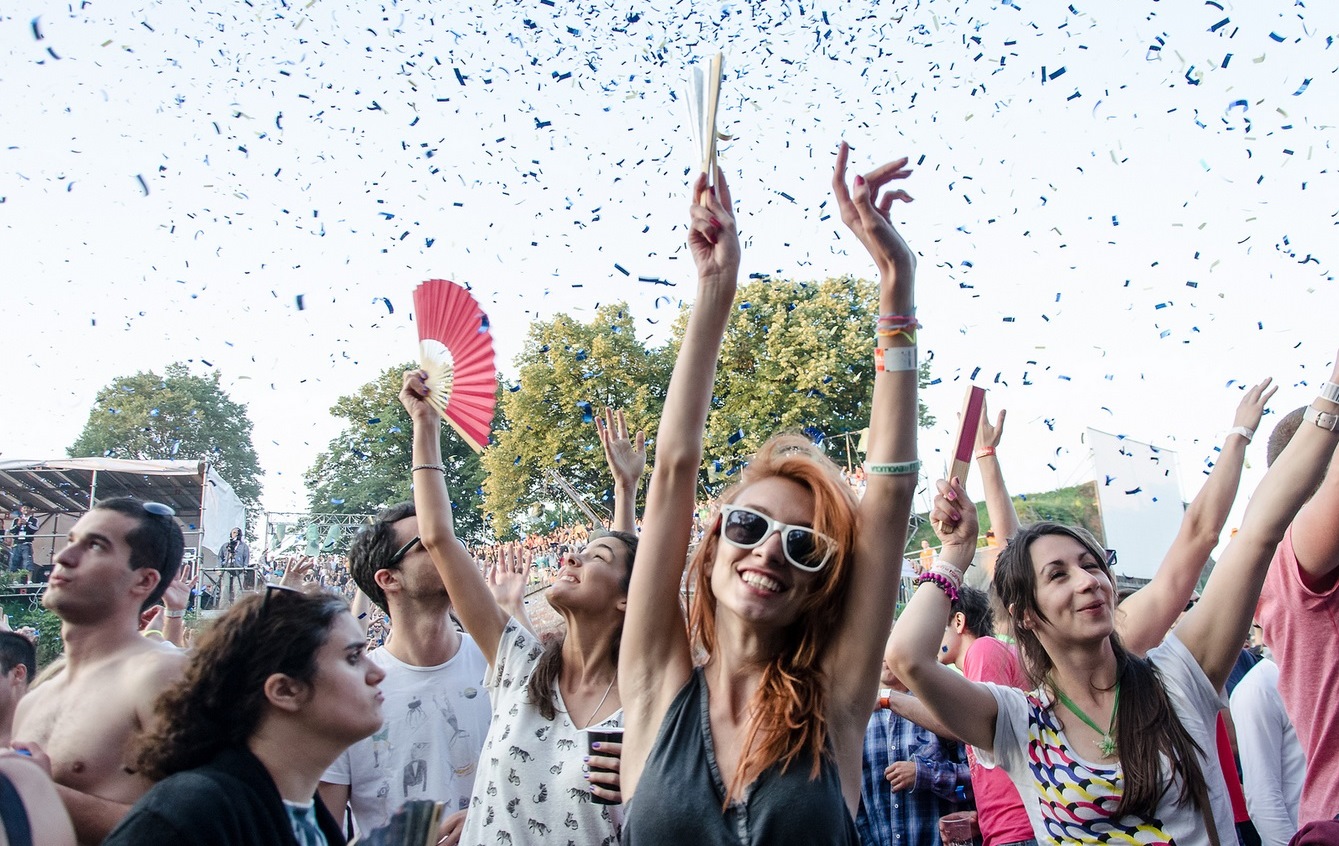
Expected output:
(1107, 745)
(600, 704)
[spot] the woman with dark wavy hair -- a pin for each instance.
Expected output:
(761, 742)
(276, 689)
(1109, 746)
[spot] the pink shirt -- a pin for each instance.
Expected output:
(999, 808)
(1302, 629)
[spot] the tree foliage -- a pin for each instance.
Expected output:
(174, 416)
(366, 467)
(797, 356)
(568, 372)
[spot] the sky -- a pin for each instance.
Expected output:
(1124, 210)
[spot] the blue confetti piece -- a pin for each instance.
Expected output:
(736, 437)
(1224, 22)
(390, 309)
(373, 421)
(301, 304)
(621, 270)
(1134, 491)
(1276, 37)
(336, 502)
(144, 186)
(1302, 88)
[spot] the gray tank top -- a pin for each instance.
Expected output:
(679, 796)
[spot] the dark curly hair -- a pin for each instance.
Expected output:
(220, 700)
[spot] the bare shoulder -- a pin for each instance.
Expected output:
(156, 667)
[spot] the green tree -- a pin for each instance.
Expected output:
(568, 372)
(797, 356)
(366, 467)
(174, 416)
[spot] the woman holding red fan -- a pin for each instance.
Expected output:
(761, 742)
(531, 781)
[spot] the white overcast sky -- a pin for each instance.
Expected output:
(1115, 201)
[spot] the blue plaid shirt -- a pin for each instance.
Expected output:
(908, 817)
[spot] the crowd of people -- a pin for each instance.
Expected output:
(727, 675)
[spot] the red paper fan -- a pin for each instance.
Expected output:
(456, 350)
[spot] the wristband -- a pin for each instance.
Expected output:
(948, 571)
(1323, 419)
(896, 468)
(158, 632)
(418, 467)
(985, 452)
(174, 615)
(1330, 391)
(940, 581)
(892, 359)
(1248, 434)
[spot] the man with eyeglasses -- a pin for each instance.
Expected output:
(436, 707)
(118, 560)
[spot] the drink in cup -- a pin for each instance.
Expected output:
(602, 735)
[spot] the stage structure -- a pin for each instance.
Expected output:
(312, 533)
(60, 490)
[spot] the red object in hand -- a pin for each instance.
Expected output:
(456, 350)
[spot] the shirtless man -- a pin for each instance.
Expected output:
(118, 560)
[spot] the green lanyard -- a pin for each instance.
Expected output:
(1107, 745)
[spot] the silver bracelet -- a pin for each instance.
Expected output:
(418, 467)
(896, 468)
(174, 615)
(1248, 434)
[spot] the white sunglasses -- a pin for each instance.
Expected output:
(748, 529)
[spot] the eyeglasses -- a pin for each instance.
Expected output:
(400, 553)
(748, 529)
(271, 590)
(158, 509)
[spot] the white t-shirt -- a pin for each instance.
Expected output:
(1070, 799)
(428, 747)
(531, 787)
(1272, 763)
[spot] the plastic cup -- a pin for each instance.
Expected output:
(603, 734)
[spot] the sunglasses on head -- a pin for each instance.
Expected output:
(748, 529)
(271, 590)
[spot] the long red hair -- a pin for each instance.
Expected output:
(789, 706)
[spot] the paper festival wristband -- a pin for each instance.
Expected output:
(893, 359)
(896, 468)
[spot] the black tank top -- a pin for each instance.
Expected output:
(679, 796)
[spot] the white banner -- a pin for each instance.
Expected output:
(1139, 491)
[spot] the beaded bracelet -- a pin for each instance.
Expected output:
(948, 571)
(940, 581)
(418, 467)
(896, 468)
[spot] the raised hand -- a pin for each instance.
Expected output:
(627, 460)
(986, 434)
(509, 575)
(414, 398)
(178, 593)
(865, 211)
(1252, 406)
(711, 231)
(954, 515)
(295, 574)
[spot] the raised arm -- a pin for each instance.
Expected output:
(966, 709)
(1214, 629)
(470, 596)
(627, 463)
(999, 506)
(1147, 615)
(1315, 536)
(654, 657)
(892, 466)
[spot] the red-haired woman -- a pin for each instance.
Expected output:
(761, 743)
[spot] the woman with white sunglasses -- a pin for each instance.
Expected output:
(761, 743)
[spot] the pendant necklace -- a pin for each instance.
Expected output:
(600, 704)
(1107, 745)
